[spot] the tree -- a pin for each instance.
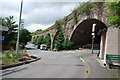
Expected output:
(10, 35)
(35, 40)
(59, 40)
(25, 36)
(67, 44)
(39, 40)
(114, 16)
(47, 40)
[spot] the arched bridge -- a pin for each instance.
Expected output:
(80, 33)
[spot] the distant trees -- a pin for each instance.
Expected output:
(43, 40)
(38, 41)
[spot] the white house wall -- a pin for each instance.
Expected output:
(112, 41)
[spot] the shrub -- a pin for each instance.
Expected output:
(47, 41)
(67, 44)
(59, 40)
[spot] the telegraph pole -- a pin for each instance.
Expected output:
(18, 36)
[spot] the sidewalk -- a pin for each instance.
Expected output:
(96, 69)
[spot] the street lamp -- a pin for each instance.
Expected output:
(18, 36)
(93, 35)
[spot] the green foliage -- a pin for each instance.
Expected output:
(86, 8)
(98, 5)
(67, 44)
(65, 20)
(25, 36)
(47, 41)
(59, 40)
(75, 17)
(37, 31)
(12, 42)
(40, 40)
(59, 23)
(114, 16)
(10, 58)
(35, 40)
(10, 35)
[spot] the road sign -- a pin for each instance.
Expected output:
(2, 37)
(22, 24)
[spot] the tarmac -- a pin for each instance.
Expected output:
(97, 69)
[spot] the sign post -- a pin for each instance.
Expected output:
(93, 36)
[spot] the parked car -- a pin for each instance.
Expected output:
(43, 47)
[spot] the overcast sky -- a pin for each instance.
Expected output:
(37, 15)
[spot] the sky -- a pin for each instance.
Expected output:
(37, 14)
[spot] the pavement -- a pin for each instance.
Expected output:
(96, 69)
(63, 64)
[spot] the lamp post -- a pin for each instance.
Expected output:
(93, 36)
(18, 36)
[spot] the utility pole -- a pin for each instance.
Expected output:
(18, 36)
(93, 36)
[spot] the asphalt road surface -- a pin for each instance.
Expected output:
(64, 64)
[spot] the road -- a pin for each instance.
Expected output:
(64, 64)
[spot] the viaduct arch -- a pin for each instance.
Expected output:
(81, 34)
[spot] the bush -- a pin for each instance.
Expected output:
(59, 40)
(47, 41)
(10, 58)
(12, 42)
(67, 44)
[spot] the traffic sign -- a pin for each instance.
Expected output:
(2, 37)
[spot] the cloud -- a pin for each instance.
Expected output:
(38, 14)
(34, 27)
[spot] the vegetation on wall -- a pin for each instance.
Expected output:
(59, 23)
(75, 17)
(37, 31)
(86, 8)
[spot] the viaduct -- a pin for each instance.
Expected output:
(80, 32)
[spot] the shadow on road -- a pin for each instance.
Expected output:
(63, 64)
(31, 49)
(6, 72)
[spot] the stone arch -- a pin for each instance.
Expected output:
(54, 37)
(81, 34)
